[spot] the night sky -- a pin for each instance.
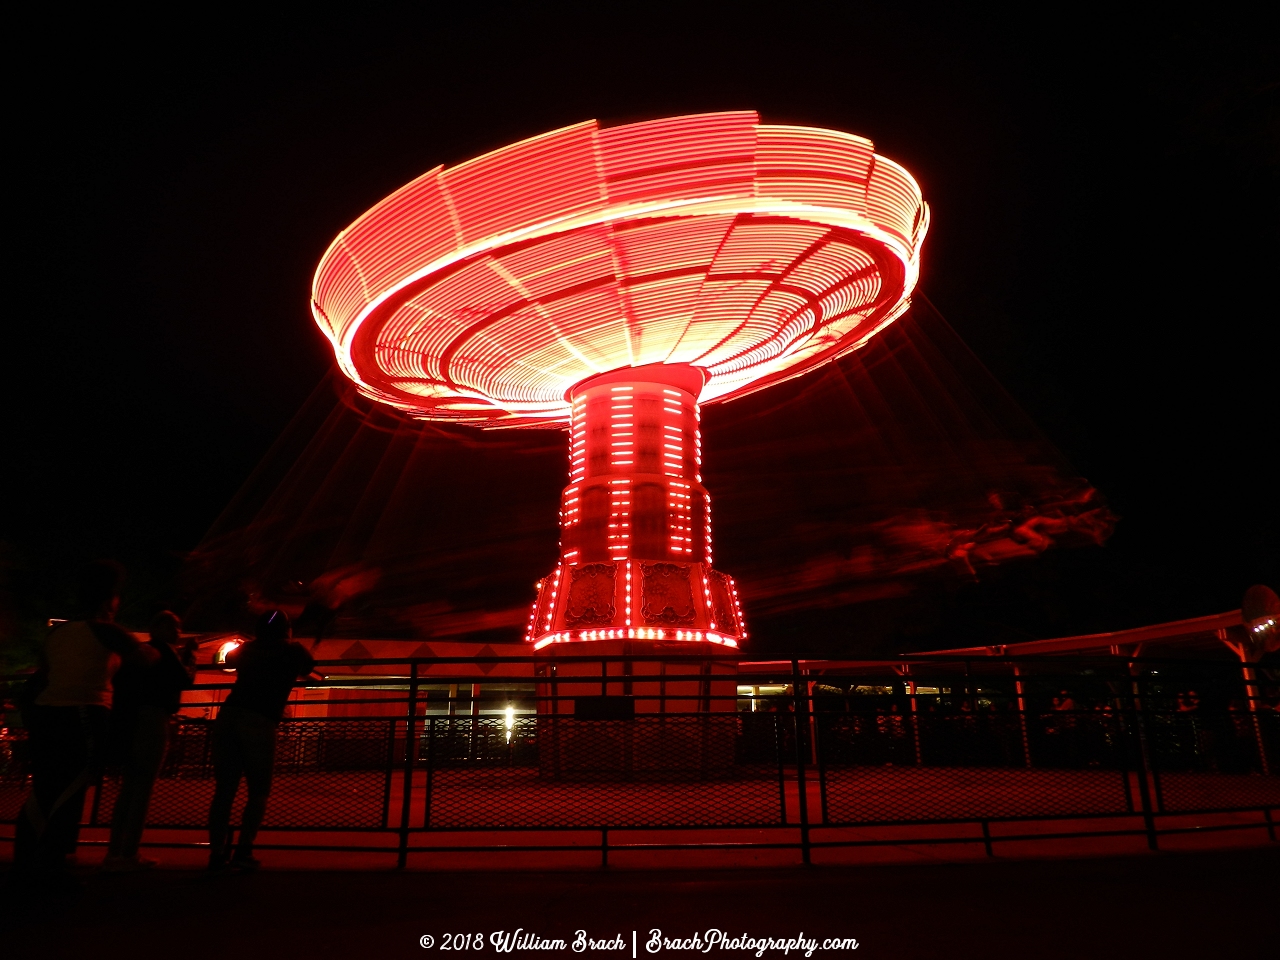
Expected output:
(1106, 210)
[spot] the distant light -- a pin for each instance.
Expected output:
(511, 720)
(225, 650)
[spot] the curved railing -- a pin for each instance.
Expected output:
(805, 753)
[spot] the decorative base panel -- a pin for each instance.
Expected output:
(636, 600)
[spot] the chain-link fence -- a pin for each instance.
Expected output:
(1213, 759)
(674, 770)
(738, 746)
(330, 774)
(972, 766)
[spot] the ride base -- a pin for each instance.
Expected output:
(635, 547)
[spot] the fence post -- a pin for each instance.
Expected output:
(475, 721)
(822, 772)
(431, 769)
(780, 753)
(1145, 765)
(1022, 714)
(410, 755)
(799, 691)
(390, 773)
(813, 733)
(554, 727)
(910, 687)
(1251, 700)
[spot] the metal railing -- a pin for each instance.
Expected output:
(484, 754)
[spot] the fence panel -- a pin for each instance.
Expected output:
(1205, 759)
(673, 770)
(937, 742)
(887, 767)
(329, 774)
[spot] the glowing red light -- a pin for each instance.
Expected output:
(611, 280)
(484, 292)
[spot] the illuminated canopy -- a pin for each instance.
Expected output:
(484, 292)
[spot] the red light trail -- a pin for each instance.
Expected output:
(524, 288)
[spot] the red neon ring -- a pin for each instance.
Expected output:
(482, 293)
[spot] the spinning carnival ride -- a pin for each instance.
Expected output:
(610, 280)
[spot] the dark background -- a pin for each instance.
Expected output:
(1105, 206)
(1166, 907)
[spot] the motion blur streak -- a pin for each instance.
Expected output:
(481, 293)
(897, 473)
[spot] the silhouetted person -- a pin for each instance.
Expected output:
(68, 719)
(244, 736)
(146, 698)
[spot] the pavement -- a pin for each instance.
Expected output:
(1167, 905)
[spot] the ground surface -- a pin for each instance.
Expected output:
(1168, 905)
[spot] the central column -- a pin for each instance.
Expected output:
(635, 519)
(635, 454)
